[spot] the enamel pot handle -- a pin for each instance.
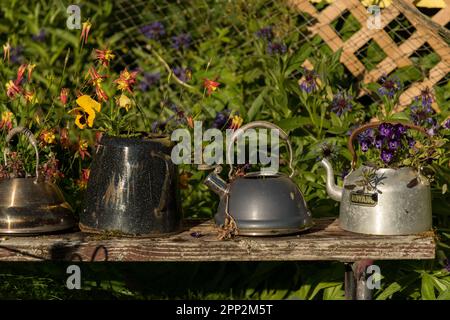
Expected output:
(32, 141)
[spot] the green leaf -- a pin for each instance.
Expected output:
(321, 286)
(427, 287)
(400, 116)
(389, 291)
(444, 295)
(256, 105)
(293, 123)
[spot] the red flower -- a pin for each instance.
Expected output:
(104, 56)
(64, 138)
(63, 95)
(96, 80)
(12, 89)
(85, 32)
(83, 148)
(20, 73)
(82, 182)
(210, 85)
(126, 80)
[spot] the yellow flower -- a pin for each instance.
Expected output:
(6, 121)
(7, 116)
(30, 97)
(124, 102)
(48, 137)
(86, 102)
(85, 114)
(6, 51)
(236, 122)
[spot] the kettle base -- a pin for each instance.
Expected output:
(272, 232)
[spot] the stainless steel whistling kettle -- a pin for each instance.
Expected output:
(384, 201)
(29, 205)
(261, 203)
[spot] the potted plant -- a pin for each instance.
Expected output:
(133, 184)
(390, 193)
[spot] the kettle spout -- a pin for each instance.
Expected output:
(334, 191)
(215, 183)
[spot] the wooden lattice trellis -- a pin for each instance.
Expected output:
(397, 55)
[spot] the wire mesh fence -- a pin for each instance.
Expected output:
(398, 39)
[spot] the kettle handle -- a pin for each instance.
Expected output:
(32, 141)
(374, 125)
(258, 124)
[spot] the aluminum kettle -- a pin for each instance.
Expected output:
(261, 203)
(391, 202)
(29, 205)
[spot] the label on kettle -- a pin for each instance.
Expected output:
(364, 199)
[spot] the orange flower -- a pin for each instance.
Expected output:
(101, 94)
(20, 73)
(48, 137)
(104, 56)
(190, 122)
(210, 85)
(64, 138)
(236, 122)
(126, 80)
(85, 32)
(12, 89)
(63, 95)
(83, 148)
(6, 121)
(30, 69)
(6, 51)
(83, 181)
(96, 80)
(30, 96)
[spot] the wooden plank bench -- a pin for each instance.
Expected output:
(326, 241)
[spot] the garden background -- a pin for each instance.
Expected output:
(256, 51)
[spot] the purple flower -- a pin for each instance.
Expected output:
(400, 129)
(153, 31)
(309, 81)
(394, 144)
(426, 97)
(411, 142)
(276, 48)
(365, 144)
(366, 138)
(386, 130)
(182, 41)
(40, 37)
(386, 156)
(433, 130)
(16, 54)
(182, 73)
(379, 141)
(221, 119)
(420, 115)
(341, 103)
(446, 124)
(265, 33)
(389, 86)
(149, 80)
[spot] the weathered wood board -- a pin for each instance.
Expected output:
(325, 241)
